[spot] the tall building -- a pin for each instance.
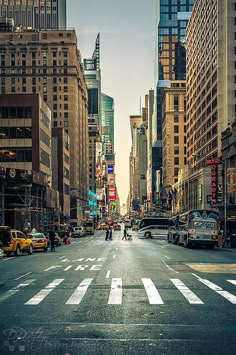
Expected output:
(211, 96)
(135, 124)
(173, 132)
(26, 197)
(49, 63)
(93, 81)
(170, 64)
(107, 124)
(35, 14)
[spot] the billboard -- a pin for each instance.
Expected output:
(109, 148)
(110, 169)
(112, 193)
(110, 179)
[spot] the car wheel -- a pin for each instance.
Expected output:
(45, 249)
(30, 251)
(148, 235)
(8, 253)
(17, 252)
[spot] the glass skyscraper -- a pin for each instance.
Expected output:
(36, 14)
(107, 124)
(170, 62)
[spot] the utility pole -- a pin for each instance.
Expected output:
(225, 196)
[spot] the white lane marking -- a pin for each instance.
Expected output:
(114, 256)
(14, 290)
(44, 292)
(167, 257)
(232, 282)
(20, 277)
(67, 268)
(108, 274)
(52, 267)
(186, 292)
(227, 295)
(13, 257)
(151, 291)
(79, 293)
(168, 267)
(61, 257)
(115, 296)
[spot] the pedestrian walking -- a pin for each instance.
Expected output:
(110, 233)
(107, 234)
(125, 234)
(52, 236)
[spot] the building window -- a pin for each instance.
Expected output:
(176, 129)
(176, 150)
(176, 161)
(66, 107)
(176, 171)
(176, 118)
(176, 103)
(176, 140)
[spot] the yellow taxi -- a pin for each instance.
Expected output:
(39, 241)
(14, 241)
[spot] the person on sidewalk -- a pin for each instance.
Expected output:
(107, 234)
(125, 234)
(52, 236)
(110, 233)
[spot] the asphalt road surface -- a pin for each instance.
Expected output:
(142, 296)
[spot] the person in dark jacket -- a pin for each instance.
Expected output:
(107, 234)
(52, 236)
(110, 233)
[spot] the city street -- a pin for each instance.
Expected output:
(140, 296)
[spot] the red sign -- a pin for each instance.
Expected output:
(112, 193)
(214, 185)
(213, 161)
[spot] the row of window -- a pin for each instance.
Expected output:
(15, 132)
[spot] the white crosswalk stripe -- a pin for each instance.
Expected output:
(116, 292)
(79, 293)
(232, 282)
(151, 291)
(15, 289)
(44, 293)
(186, 292)
(227, 295)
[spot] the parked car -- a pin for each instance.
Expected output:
(14, 241)
(78, 232)
(39, 241)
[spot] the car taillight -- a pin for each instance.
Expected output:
(12, 241)
(192, 231)
(43, 240)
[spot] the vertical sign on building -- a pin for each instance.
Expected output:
(214, 178)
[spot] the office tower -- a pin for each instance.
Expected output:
(49, 63)
(35, 14)
(108, 125)
(93, 81)
(170, 64)
(173, 131)
(25, 159)
(211, 98)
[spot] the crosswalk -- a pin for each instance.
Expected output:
(115, 296)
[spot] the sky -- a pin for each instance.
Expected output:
(127, 45)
